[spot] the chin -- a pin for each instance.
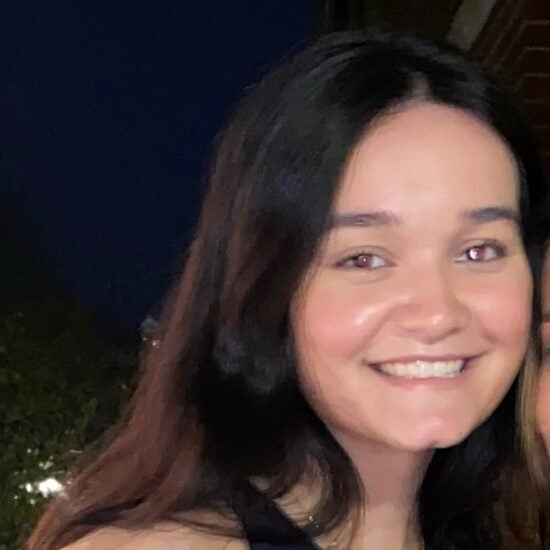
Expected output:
(416, 440)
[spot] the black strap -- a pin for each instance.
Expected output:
(264, 525)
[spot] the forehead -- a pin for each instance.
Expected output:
(429, 151)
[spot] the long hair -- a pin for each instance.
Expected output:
(218, 401)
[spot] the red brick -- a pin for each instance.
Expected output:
(536, 9)
(530, 34)
(535, 60)
(538, 112)
(542, 135)
(538, 33)
(535, 86)
(546, 164)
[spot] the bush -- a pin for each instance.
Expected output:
(61, 384)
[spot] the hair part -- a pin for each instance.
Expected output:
(222, 385)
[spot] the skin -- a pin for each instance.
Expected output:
(543, 401)
(166, 536)
(424, 281)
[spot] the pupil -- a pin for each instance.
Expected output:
(476, 253)
(363, 260)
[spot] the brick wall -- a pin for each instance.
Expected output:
(515, 45)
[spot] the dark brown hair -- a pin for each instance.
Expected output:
(222, 385)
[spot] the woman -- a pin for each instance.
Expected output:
(543, 401)
(338, 366)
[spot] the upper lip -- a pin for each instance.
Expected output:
(427, 358)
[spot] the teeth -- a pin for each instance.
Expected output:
(423, 369)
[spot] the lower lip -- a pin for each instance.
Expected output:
(435, 382)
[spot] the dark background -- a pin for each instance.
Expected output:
(107, 113)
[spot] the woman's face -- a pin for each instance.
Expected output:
(414, 319)
(543, 402)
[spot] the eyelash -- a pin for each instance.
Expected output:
(353, 258)
(500, 251)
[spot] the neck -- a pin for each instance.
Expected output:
(391, 479)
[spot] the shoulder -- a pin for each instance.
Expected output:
(166, 536)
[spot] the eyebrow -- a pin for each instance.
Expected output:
(488, 214)
(377, 218)
(365, 219)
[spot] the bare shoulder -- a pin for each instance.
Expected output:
(166, 536)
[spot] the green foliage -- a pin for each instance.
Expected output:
(62, 380)
(61, 384)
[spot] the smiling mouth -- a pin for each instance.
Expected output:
(422, 369)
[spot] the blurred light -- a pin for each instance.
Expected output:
(49, 487)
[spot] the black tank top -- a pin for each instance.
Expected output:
(265, 526)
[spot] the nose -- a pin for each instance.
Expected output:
(432, 308)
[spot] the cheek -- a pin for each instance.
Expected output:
(503, 308)
(337, 322)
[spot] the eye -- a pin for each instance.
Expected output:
(483, 252)
(364, 260)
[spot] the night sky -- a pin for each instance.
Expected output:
(108, 111)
